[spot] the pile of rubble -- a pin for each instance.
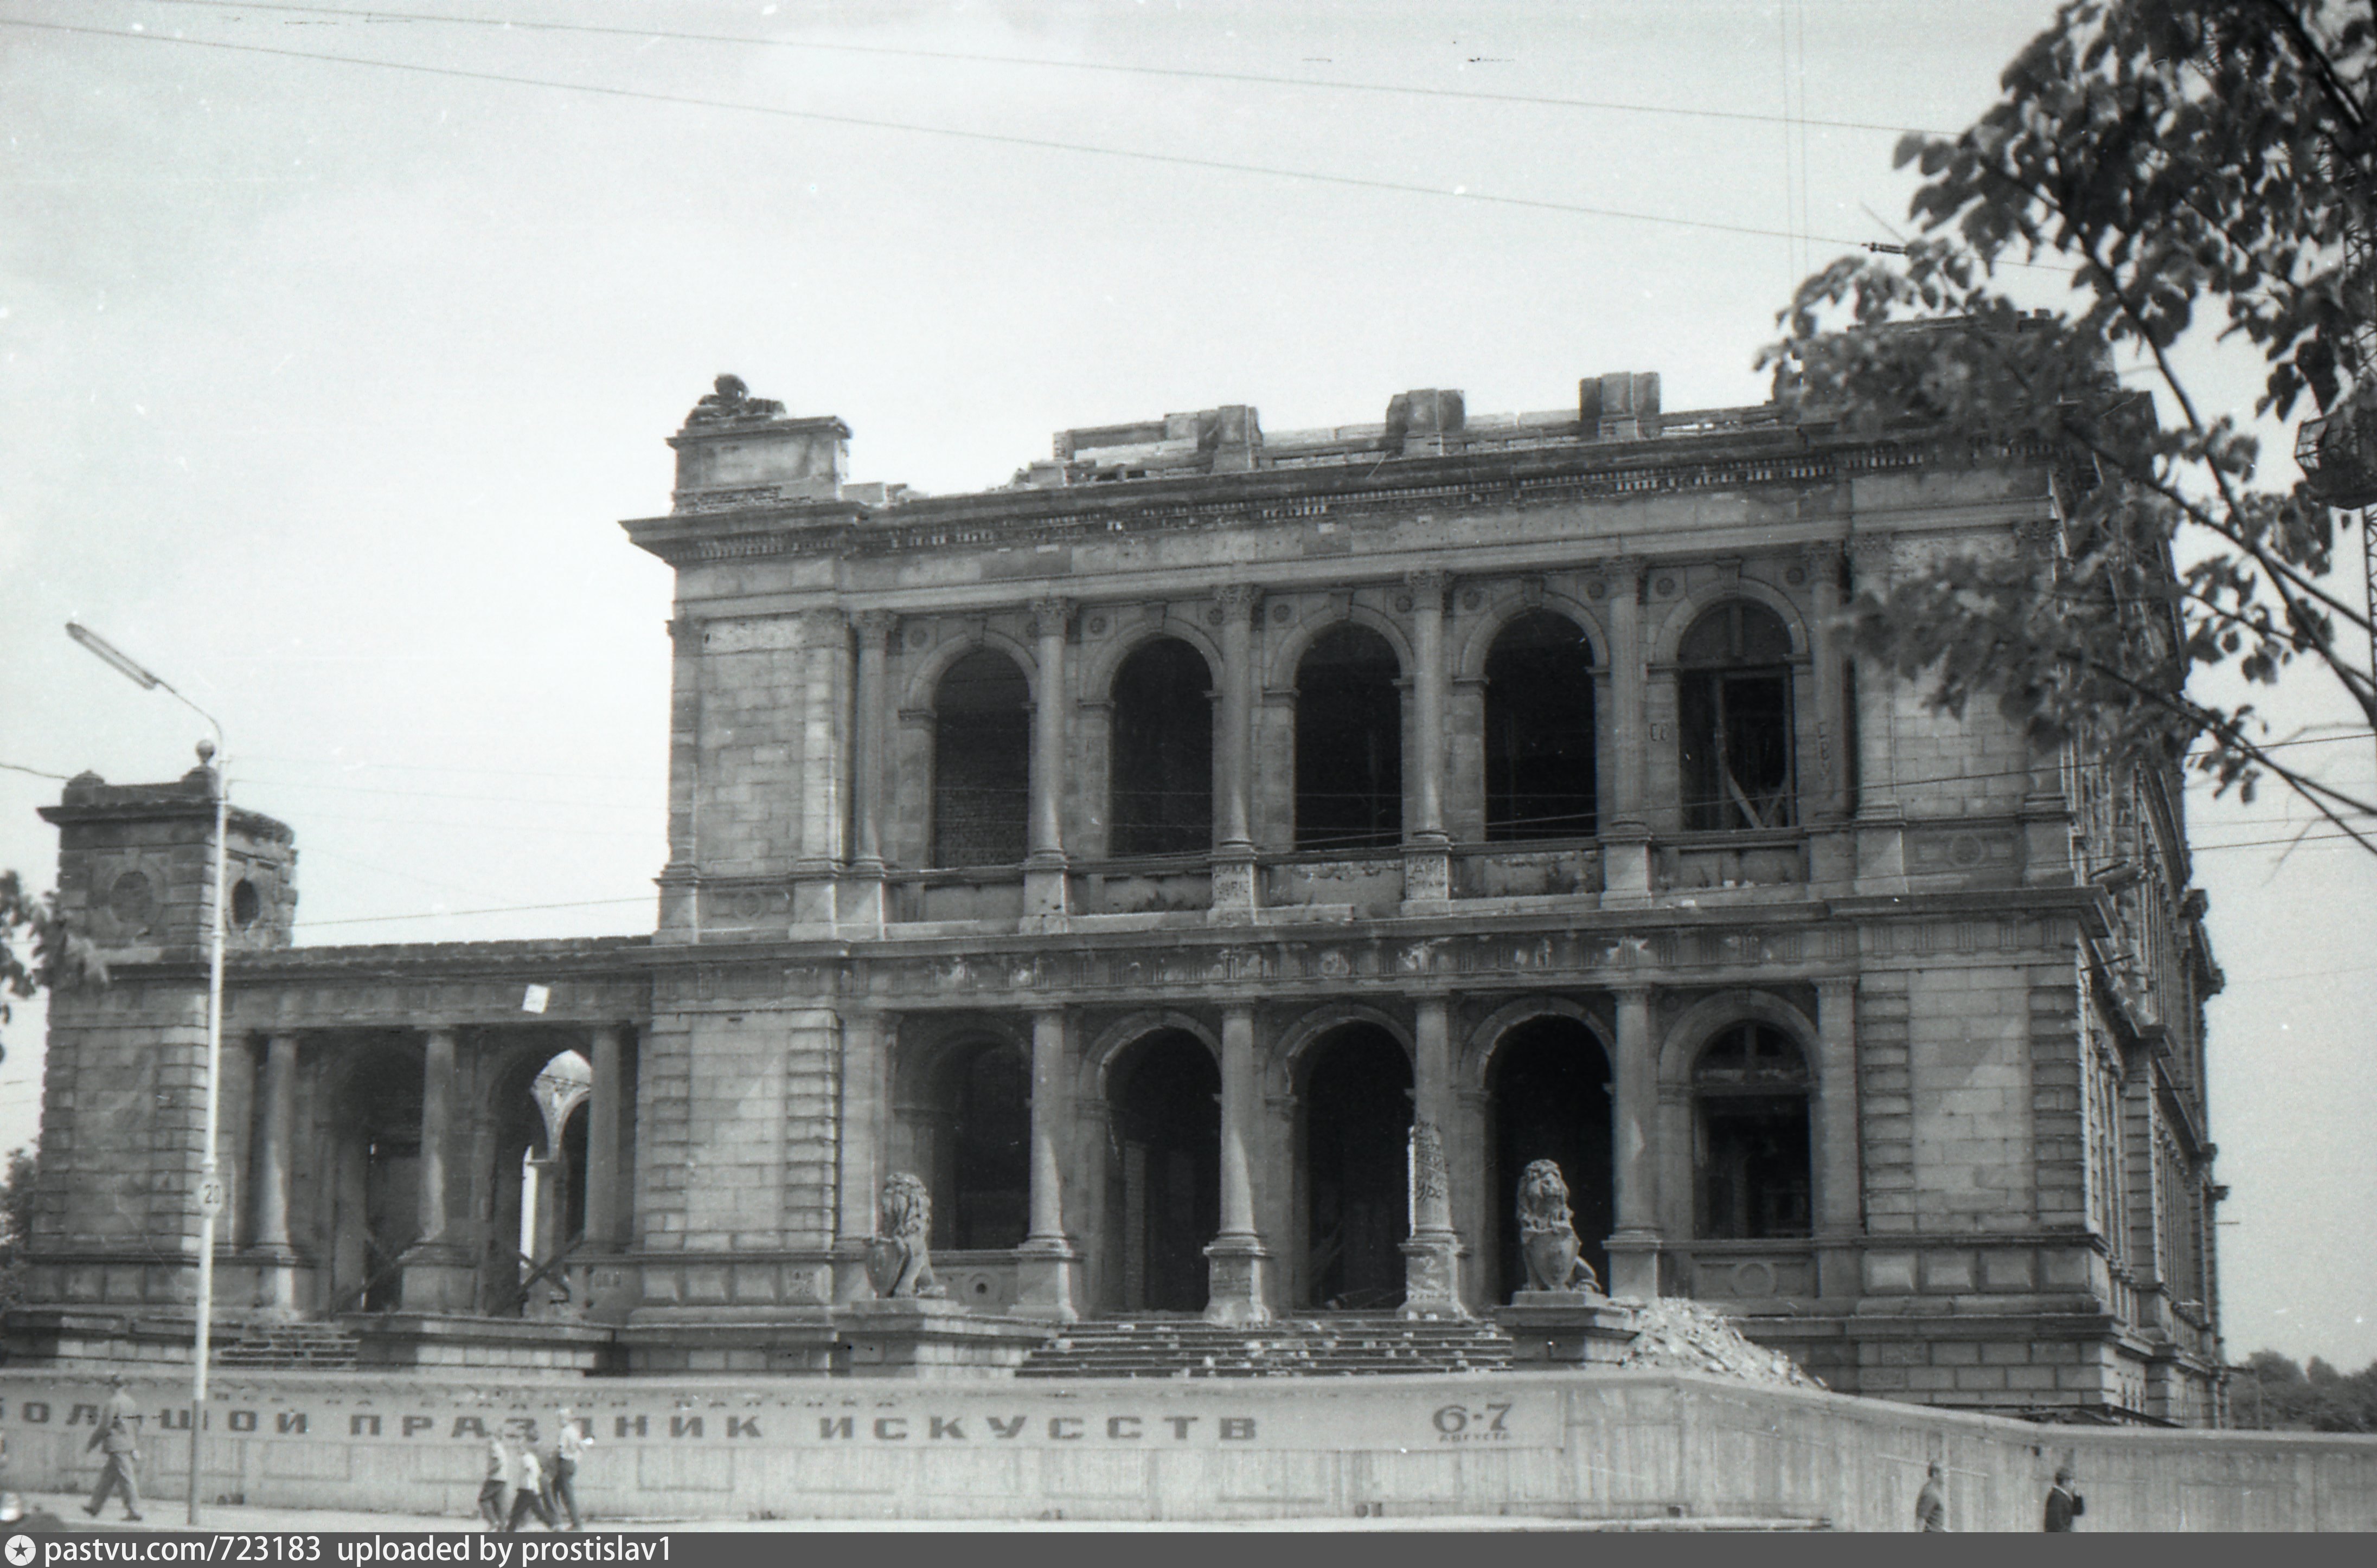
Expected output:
(1683, 1336)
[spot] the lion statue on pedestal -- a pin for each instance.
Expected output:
(1548, 1241)
(898, 1264)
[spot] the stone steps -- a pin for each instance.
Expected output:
(1344, 1345)
(287, 1347)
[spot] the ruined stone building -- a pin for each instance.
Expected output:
(1134, 851)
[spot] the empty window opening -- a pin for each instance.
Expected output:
(374, 1198)
(1750, 1148)
(1551, 1094)
(1733, 694)
(1167, 1186)
(1349, 742)
(1358, 1117)
(1539, 753)
(981, 762)
(989, 1151)
(1163, 763)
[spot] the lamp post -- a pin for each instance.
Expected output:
(210, 1191)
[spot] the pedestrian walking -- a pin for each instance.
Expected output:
(118, 1438)
(527, 1487)
(2063, 1504)
(570, 1441)
(499, 1475)
(1932, 1503)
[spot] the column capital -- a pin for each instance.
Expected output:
(1820, 553)
(824, 620)
(1872, 552)
(1630, 990)
(1428, 580)
(873, 627)
(1051, 616)
(1626, 569)
(1238, 597)
(1829, 986)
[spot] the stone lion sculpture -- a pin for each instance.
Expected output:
(1548, 1241)
(898, 1262)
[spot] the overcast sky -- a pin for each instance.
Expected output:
(325, 384)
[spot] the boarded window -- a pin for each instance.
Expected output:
(1349, 742)
(981, 762)
(1539, 761)
(1162, 764)
(1733, 695)
(1750, 1149)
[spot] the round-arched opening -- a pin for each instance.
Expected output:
(1751, 1154)
(539, 1194)
(1165, 1189)
(982, 761)
(1550, 1087)
(374, 1198)
(1162, 766)
(1357, 1116)
(1349, 749)
(1734, 729)
(246, 903)
(1539, 734)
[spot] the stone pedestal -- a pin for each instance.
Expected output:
(1432, 1275)
(1234, 886)
(1625, 866)
(1633, 1264)
(906, 1337)
(1235, 1267)
(1047, 1281)
(438, 1278)
(430, 1340)
(1566, 1328)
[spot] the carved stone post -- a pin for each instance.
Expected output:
(1428, 868)
(1047, 1280)
(276, 1096)
(437, 1269)
(1235, 1262)
(870, 719)
(1234, 894)
(1839, 1202)
(1634, 1245)
(1432, 1253)
(1626, 840)
(607, 1181)
(1043, 867)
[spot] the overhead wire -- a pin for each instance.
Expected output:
(1044, 144)
(1183, 73)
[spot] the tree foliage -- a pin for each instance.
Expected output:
(36, 948)
(16, 1224)
(2204, 170)
(2269, 1392)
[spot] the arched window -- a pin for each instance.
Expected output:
(1733, 696)
(1750, 1148)
(1349, 742)
(1539, 760)
(981, 762)
(1162, 769)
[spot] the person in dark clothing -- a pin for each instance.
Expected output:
(118, 1422)
(1932, 1503)
(2063, 1504)
(499, 1475)
(527, 1487)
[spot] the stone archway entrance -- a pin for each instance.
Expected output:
(1550, 1085)
(1357, 1127)
(375, 1178)
(1164, 1192)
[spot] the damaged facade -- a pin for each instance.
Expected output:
(1135, 852)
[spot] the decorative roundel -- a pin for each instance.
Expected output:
(1664, 586)
(1402, 603)
(1281, 613)
(1097, 626)
(919, 638)
(1471, 599)
(1964, 850)
(1596, 588)
(1214, 616)
(1796, 576)
(133, 901)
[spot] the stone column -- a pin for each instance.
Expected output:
(1832, 848)
(1236, 1259)
(1043, 867)
(1234, 845)
(607, 1182)
(1625, 838)
(1432, 1255)
(438, 1272)
(870, 719)
(276, 1098)
(1839, 1205)
(1881, 821)
(1047, 1279)
(1428, 868)
(1634, 1245)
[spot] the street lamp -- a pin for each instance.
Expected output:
(210, 1192)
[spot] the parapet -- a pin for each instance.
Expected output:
(737, 451)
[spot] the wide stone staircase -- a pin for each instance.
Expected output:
(286, 1347)
(1326, 1345)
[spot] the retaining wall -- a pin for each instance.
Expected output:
(1597, 1445)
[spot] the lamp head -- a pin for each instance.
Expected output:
(205, 752)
